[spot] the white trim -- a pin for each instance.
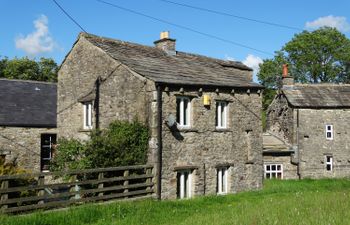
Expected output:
(87, 110)
(270, 173)
(330, 162)
(329, 130)
(222, 182)
(185, 115)
(221, 112)
(185, 184)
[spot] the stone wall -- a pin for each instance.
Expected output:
(122, 93)
(22, 145)
(203, 147)
(280, 119)
(314, 146)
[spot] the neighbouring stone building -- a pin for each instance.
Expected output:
(204, 114)
(27, 123)
(308, 131)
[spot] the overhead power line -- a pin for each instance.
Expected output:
(185, 27)
(70, 17)
(232, 15)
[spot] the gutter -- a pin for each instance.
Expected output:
(159, 140)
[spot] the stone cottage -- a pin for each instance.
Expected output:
(27, 123)
(308, 131)
(204, 114)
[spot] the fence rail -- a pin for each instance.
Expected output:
(24, 192)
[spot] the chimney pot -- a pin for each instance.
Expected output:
(285, 70)
(166, 43)
(286, 78)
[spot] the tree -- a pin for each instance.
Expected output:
(322, 55)
(28, 69)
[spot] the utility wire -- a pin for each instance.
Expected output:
(231, 15)
(67, 14)
(185, 28)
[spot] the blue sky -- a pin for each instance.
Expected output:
(38, 28)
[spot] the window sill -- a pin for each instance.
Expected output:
(84, 130)
(186, 129)
(221, 129)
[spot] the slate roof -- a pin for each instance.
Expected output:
(272, 143)
(27, 103)
(318, 95)
(182, 68)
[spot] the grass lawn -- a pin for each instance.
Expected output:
(280, 202)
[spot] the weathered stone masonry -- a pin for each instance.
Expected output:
(300, 115)
(125, 91)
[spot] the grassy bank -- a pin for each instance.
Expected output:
(280, 202)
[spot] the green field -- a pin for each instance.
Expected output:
(280, 202)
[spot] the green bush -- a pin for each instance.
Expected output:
(122, 143)
(69, 154)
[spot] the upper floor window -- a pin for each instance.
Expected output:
(329, 132)
(222, 183)
(87, 123)
(184, 184)
(329, 163)
(221, 114)
(183, 111)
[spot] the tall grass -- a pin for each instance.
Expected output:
(280, 202)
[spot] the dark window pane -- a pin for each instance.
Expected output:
(178, 100)
(273, 167)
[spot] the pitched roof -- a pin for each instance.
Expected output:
(182, 68)
(27, 103)
(318, 95)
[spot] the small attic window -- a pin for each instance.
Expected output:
(329, 132)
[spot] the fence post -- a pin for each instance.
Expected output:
(126, 182)
(41, 192)
(4, 197)
(74, 188)
(100, 185)
(148, 180)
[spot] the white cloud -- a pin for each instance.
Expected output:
(39, 41)
(253, 62)
(338, 22)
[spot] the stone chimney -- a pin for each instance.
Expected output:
(166, 44)
(286, 78)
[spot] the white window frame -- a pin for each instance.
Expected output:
(222, 180)
(185, 184)
(221, 113)
(184, 114)
(269, 173)
(87, 108)
(329, 130)
(329, 162)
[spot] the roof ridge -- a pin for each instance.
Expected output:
(226, 63)
(28, 81)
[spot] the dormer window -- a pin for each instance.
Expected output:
(183, 111)
(87, 123)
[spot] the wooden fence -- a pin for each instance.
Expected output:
(26, 192)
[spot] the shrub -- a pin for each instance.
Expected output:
(122, 143)
(69, 154)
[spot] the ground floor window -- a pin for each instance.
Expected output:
(329, 163)
(273, 171)
(184, 184)
(222, 183)
(47, 143)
